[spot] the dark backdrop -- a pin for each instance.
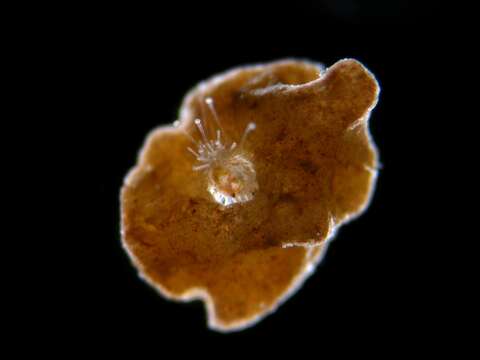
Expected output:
(125, 70)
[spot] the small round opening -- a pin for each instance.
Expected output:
(233, 181)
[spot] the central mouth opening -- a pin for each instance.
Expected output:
(233, 181)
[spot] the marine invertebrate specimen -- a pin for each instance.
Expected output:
(234, 205)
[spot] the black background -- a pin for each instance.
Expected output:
(120, 71)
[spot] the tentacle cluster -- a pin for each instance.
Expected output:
(232, 177)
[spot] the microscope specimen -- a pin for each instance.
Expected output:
(234, 204)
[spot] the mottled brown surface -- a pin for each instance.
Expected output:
(315, 169)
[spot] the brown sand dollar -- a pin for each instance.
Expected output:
(235, 202)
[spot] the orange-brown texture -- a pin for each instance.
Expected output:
(315, 165)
